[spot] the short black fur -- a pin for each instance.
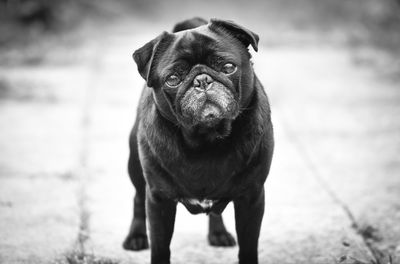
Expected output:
(204, 142)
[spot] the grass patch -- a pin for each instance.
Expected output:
(82, 258)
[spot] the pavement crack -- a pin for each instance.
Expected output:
(84, 173)
(82, 252)
(84, 221)
(300, 147)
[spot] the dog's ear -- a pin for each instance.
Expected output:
(189, 23)
(246, 36)
(145, 57)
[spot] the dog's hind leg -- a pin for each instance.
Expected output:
(217, 234)
(137, 236)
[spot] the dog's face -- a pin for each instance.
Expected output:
(201, 77)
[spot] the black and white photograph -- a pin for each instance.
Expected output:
(200, 132)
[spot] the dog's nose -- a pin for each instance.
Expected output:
(202, 81)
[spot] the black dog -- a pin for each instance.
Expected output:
(203, 136)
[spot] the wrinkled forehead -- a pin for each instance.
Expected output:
(190, 42)
(199, 44)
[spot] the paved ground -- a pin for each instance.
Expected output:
(65, 197)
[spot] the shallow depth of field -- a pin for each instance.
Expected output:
(68, 96)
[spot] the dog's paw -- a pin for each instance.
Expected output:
(136, 242)
(221, 239)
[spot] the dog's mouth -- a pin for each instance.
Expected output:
(208, 107)
(210, 114)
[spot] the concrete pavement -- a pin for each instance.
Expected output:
(65, 197)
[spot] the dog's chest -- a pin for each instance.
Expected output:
(196, 206)
(205, 203)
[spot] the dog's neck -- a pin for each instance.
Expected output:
(198, 137)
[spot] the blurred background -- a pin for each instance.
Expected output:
(68, 95)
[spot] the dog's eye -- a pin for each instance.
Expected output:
(228, 68)
(173, 80)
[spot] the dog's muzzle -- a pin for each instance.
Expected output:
(207, 101)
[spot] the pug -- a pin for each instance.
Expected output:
(202, 137)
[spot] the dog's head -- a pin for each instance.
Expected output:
(201, 77)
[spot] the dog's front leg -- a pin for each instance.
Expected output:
(161, 216)
(249, 212)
